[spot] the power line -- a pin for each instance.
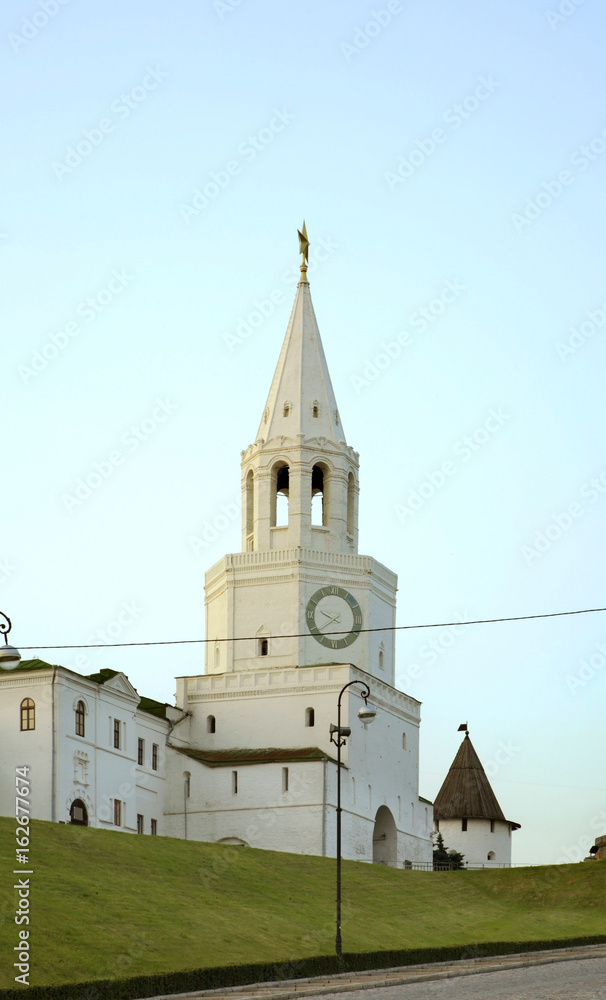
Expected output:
(302, 635)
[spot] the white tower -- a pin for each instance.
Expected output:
(291, 622)
(468, 816)
(299, 594)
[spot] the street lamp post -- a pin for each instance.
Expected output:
(338, 736)
(9, 656)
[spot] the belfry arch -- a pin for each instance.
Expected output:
(320, 495)
(280, 488)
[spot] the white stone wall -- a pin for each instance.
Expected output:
(477, 842)
(268, 709)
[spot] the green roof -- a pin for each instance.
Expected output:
(34, 664)
(104, 675)
(266, 755)
(157, 708)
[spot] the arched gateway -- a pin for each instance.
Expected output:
(384, 838)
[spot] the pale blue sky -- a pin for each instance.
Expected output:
(170, 94)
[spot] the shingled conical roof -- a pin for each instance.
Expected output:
(466, 791)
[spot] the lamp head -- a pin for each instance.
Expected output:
(9, 657)
(366, 714)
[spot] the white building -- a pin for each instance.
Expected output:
(468, 816)
(293, 618)
(95, 749)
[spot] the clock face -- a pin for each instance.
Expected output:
(333, 617)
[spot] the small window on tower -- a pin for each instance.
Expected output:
(287, 409)
(263, 647)
(310, 717)
(464, 825)
(211, 725)
(315, 410)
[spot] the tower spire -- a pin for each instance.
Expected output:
(301, 399)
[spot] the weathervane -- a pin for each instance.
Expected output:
(463, 728)
(303, 250)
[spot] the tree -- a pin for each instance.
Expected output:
(443, 858)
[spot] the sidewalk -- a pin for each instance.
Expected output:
(290, 989)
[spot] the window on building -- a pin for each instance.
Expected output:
(437, 826)
(117, 734)
(286, 410)
(490, 856)
(403, 741)
(154, 827)
(234, 782)
(217, 657)
(117, 812)
(187, 783)
(381, 658)
(464, 825)
(80, 714)
(211, 724)
(140, 752)
(28, 714)
(140, 821)
(315, 409)
(310, 717)
(155, 756)
(263, 647)
(492, 826)
(284, 779)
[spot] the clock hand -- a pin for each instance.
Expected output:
(332, 618)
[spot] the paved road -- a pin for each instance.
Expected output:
(576, 980)
(565, 974)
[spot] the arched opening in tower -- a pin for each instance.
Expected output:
(319, 495)
(279, 513)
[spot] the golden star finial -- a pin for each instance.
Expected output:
(304, 250)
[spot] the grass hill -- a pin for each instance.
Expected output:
(111, 905)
